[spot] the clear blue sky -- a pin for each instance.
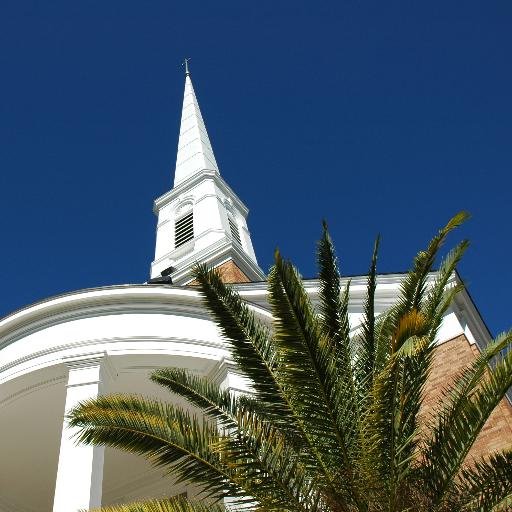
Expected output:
(379, 116)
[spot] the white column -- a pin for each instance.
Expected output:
(80, 469)
(227, 376)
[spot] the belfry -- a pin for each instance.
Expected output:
(201, 219)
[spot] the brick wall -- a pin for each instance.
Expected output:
(229, 272)
(450, 359)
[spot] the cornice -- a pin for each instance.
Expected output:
(468, 313)
(189, 346)
(98, 302)
(166, 298)
(388, 286)
(216, 254)
(183, 301)
(193, 180)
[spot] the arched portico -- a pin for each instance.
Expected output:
(75, 347)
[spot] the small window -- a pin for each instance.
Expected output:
(235, 233)
(184, 230)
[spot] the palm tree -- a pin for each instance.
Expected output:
(333, 421)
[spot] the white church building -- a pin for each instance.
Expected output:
(78, 345)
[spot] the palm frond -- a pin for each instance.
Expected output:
(413, 287)
(174, 504)
(468, 379)
(434, 307)
(165, 434)
(333, 304)
(391, 426)
(200, 392)
(382, 341)
(272, 470)
(250, 341)
(399, 385)
(454, 434)
(308, 372)
(486, 486)
(367, 345)
(258, 454)
(426, 260)
(291, 430)
(335, 325)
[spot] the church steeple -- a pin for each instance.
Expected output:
(195, 151)
(201, 219)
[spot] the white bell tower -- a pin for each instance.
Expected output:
(201, 219)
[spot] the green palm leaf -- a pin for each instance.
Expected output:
(331, 423)
(308, 372)
(249, 340)
(200, 392)
(435, 304)
(391, 425)
(367, 343)
(455, 396)
(254, 350)
(176, 504)
(264, 468)
(398, 388)
(413, 287)
(454, 434)
(335, 326)
(163, 433)
(486, 486)
(276, 477)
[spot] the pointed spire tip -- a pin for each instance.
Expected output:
(185, 63)
(195, 152)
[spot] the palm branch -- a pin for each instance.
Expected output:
(332, 422)
(174, 504)
(457, 426)
(165, 434)
(486, 486)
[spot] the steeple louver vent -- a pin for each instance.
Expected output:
(184, 230)
(235, 233)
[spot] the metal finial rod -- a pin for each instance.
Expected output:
(185, 63)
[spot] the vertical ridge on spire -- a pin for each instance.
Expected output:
(195, 151)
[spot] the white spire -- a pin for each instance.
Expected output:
(201, 219)
(195, 151)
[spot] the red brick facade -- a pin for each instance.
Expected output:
(450, 359)
(230, 273)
